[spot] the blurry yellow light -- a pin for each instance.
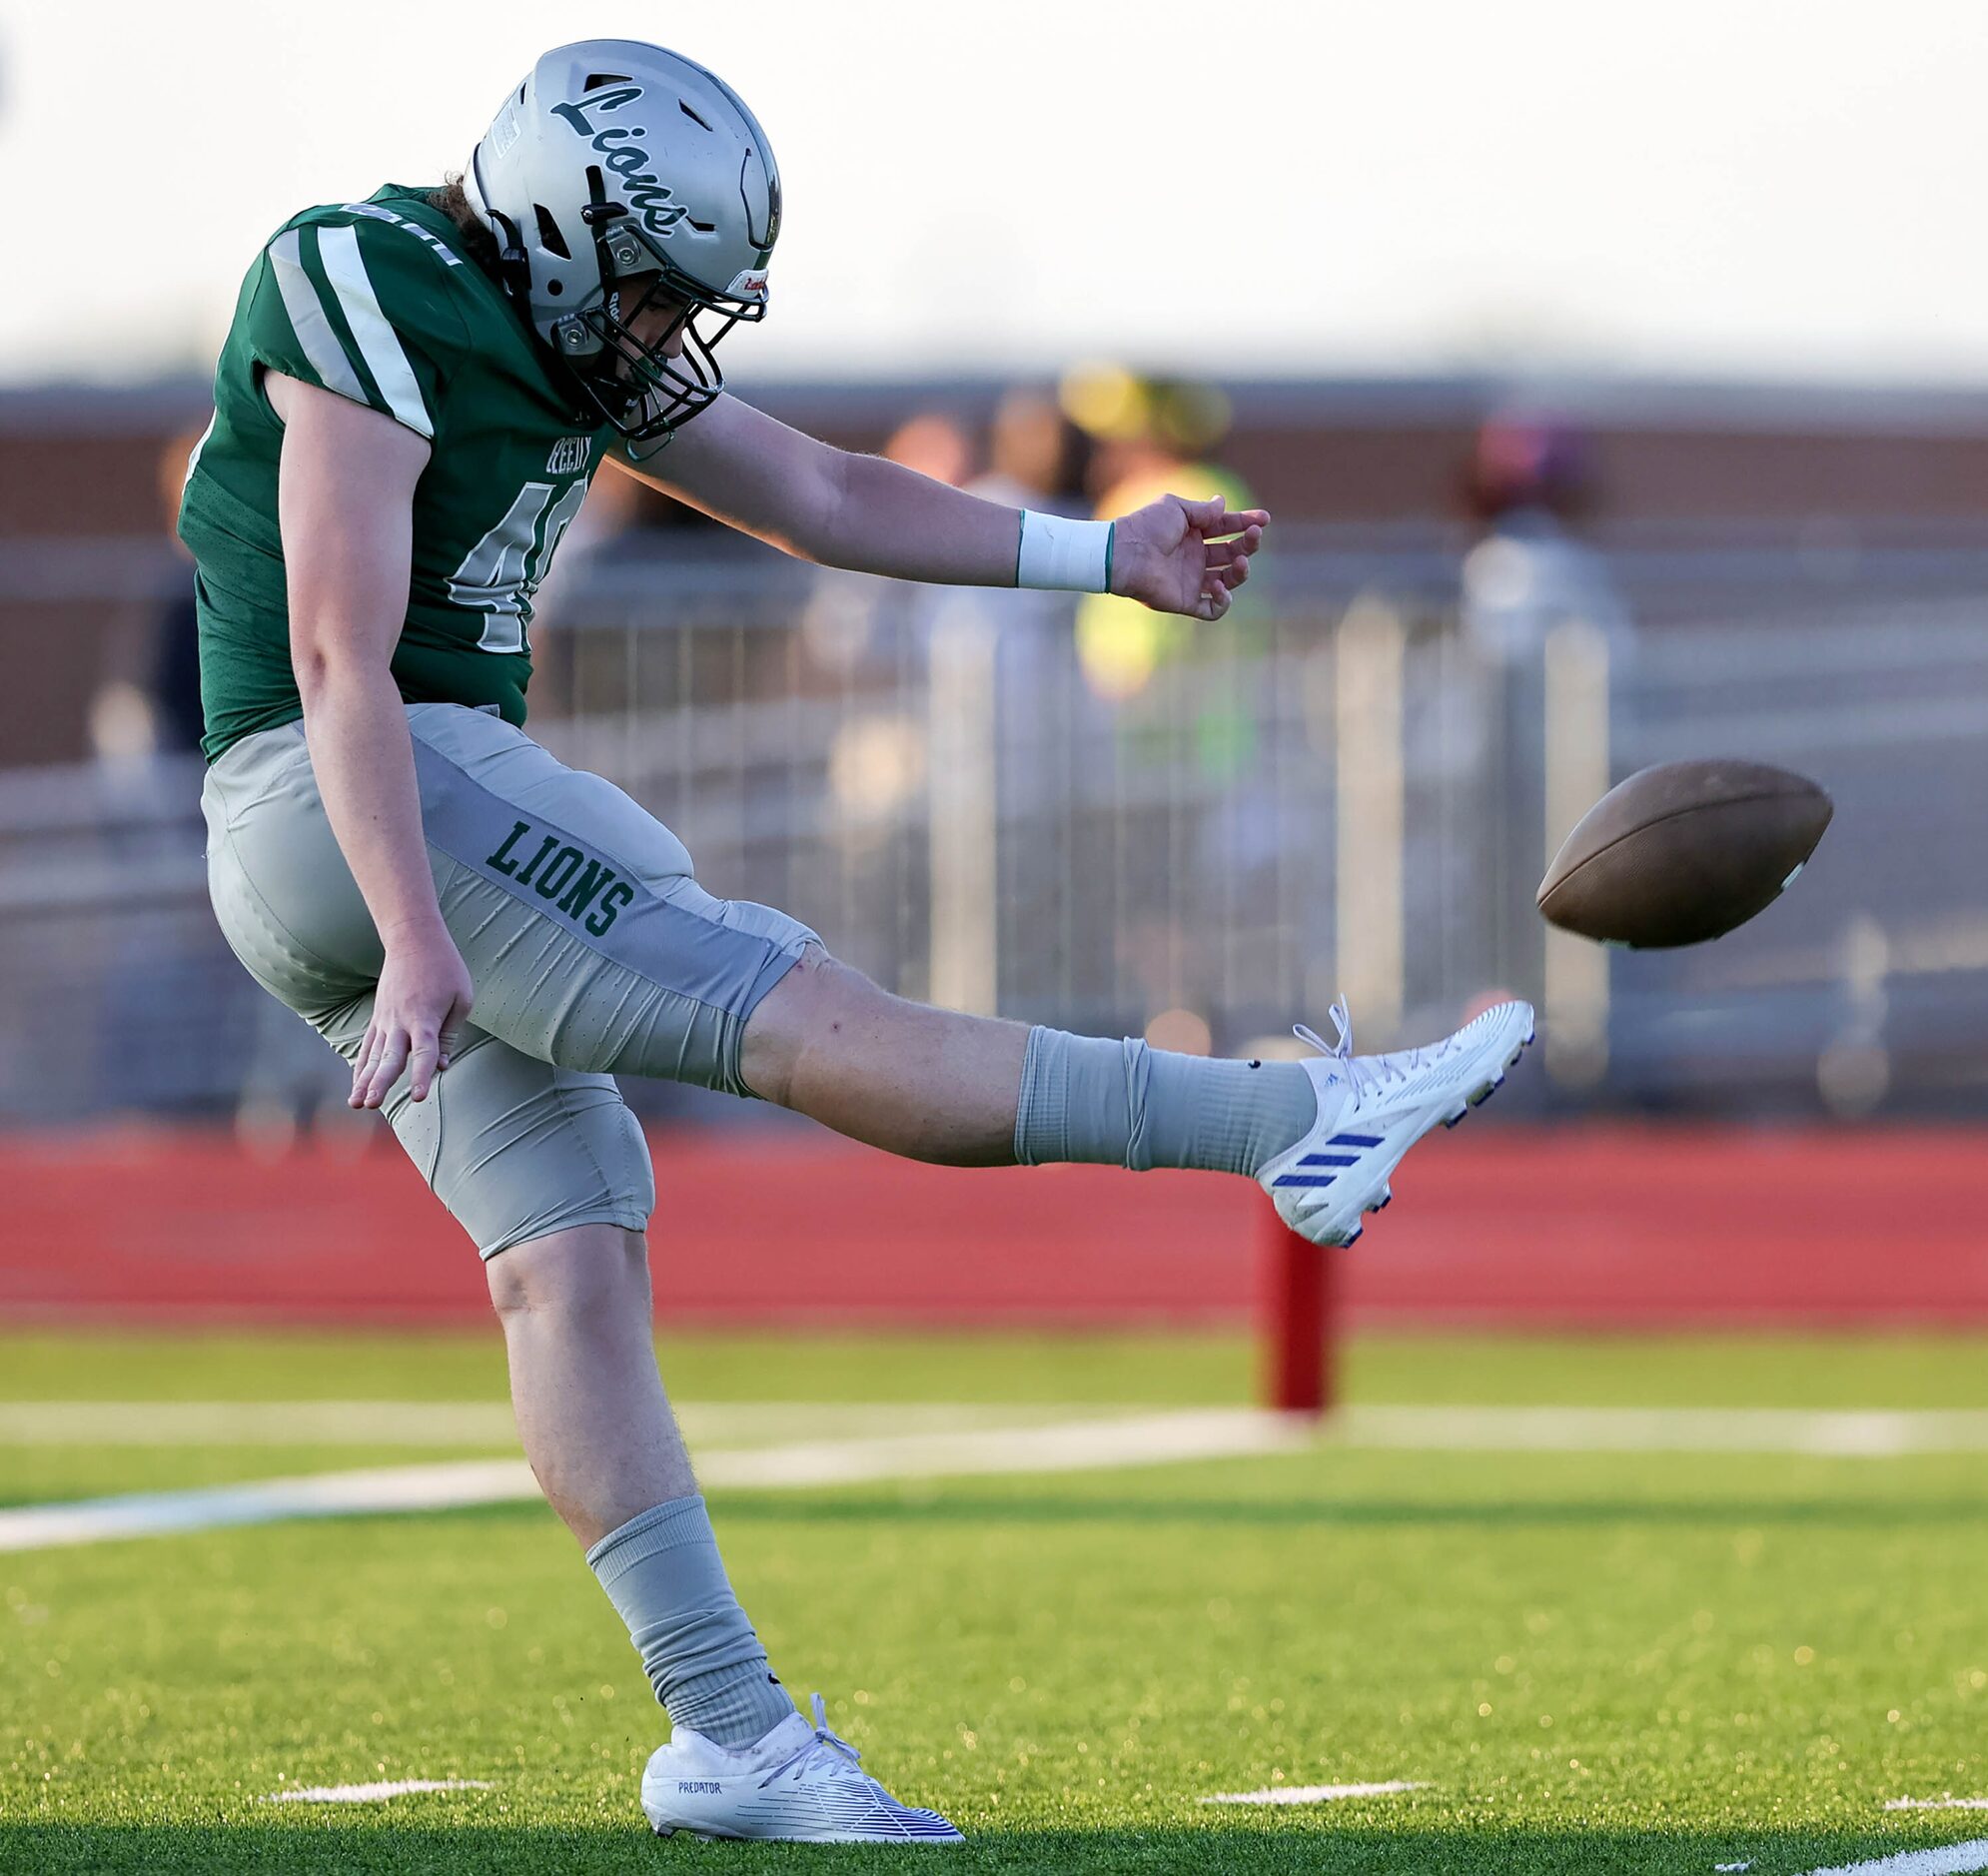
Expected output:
(1192, 417)
(1105, 400)
(1118, 646)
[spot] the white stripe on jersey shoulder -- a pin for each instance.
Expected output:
(307, 318)
(337, 248)
(435, 241)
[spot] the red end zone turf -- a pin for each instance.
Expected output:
(1499, 1227)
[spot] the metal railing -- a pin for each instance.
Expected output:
(1073, 812)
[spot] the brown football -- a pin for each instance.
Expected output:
(1683, 852)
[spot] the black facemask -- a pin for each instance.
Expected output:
(642, 392)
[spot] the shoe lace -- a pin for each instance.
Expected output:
(826, 1742)
(1364, 1073)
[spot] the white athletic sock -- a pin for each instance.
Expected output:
(661, 1571)
(1124, 1104)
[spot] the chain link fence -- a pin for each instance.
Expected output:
(1075, 812)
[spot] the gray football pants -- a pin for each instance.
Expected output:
(593, 950)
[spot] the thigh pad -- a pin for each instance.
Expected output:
(515, 1148)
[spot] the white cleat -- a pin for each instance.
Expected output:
(799, 1784)
(1373, 1108)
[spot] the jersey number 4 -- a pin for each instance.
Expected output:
(501, 571)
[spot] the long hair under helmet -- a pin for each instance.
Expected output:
(616, 160)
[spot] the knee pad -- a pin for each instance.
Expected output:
(517, 1149)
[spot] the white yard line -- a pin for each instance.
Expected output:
(430, 1423)
(1075, 1445)
(1834, 1434)
(1957, 1859)
(860, 1443)
(367, 1794)
(1938, 1804)
(1312, 1794)
(434, 1487)
(1150, 1440)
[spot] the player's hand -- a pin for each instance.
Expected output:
(1184, 556)
(418, 1016)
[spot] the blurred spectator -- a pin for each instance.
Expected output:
(152, 705)
(175, 663)
(1536, 598)
(1003, 710)
(1037, 457)
(847, 614)
(1175, 694)
(935, 445)
(1152, 437)
(145, 727)
(1528, 485)
(994, 662)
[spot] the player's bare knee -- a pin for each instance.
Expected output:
(801, 1016)
(593, 1273)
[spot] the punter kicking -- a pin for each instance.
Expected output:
(410, 402)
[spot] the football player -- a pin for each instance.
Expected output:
(411, 398)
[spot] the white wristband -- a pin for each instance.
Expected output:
(1064, 555)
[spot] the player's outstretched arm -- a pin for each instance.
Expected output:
(875, 516)
(345, 505)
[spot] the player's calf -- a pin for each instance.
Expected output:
(604, 1445)
(924, 1083)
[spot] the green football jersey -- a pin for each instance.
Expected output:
(376, 300)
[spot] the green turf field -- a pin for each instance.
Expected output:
(1586, 1661)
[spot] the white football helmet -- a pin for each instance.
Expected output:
(615, 160)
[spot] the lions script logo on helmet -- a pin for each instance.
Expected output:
(644, 191)
(631, 191)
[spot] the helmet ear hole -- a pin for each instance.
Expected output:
(549, 237)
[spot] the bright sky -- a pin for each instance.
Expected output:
(1701, 186)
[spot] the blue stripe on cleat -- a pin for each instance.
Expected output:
(1354, 1140)
(1329, 1158)
(1301, 1179)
